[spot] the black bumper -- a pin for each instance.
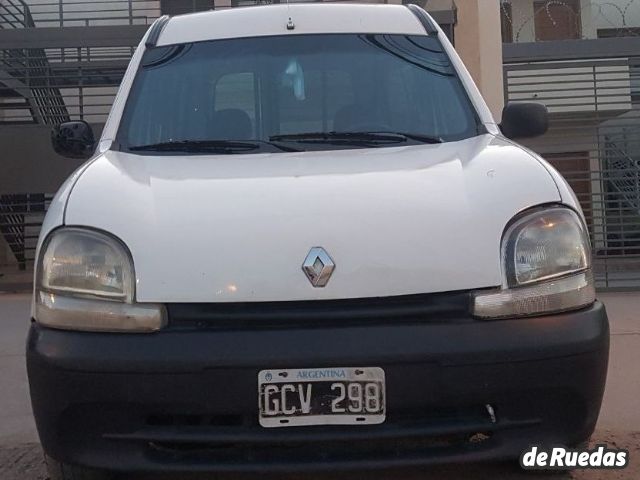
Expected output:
(186, 399)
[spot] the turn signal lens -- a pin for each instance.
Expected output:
(552, 296)
(70, 313)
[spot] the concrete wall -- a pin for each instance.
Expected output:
(5, 254)
(478, 41)
(29, 164)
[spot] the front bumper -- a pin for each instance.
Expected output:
(186, 399)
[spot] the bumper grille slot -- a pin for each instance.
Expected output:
(165, 420)
(189, 437)
(376, 446)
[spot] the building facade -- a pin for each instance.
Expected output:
(581, 58)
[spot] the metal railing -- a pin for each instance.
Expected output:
(26, 72)
(594, 141)
(47, 77)
(15, 14)
(624, 175)
(53, 85)
(21, 217)
(73, 13)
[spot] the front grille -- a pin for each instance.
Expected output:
(434, 308)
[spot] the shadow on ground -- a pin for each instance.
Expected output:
(25, 463)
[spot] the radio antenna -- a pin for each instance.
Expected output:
(290, 24)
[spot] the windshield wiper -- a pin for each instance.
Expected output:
(366, 138)
(215, 146)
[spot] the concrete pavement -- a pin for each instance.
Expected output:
(16, 422)
(621, 404)
(619, 419)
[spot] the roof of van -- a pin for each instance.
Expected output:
(307, 19)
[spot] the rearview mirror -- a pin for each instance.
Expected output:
(524, 119)
(73, 139)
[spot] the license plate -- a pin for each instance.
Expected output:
(321, 396)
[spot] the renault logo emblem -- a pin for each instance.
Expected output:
(318, 267)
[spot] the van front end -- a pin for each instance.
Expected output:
(305, 245)
(187, 399)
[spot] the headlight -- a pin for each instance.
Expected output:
(85, 262)
(86, 281)
(543, 245)
(546, 261)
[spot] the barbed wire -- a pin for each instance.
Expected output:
(616, 15)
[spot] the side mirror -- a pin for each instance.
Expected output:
(524, 119)
(73, 139)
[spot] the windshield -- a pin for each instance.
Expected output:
(291, 93)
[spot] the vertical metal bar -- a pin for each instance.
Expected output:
(27, 67)
(48, 98)
(130, 12)
(22, 265)
(61, 12)
(505, 83)
(636, 170)
(602, 160)
(623, 236)
(595, 87)
(80, 85)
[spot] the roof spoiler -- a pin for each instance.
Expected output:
(156, 29)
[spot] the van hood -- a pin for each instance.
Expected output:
(237, 228)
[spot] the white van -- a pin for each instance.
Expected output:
(302, 243)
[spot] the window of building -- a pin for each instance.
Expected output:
(557, 20)
(506, 21)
